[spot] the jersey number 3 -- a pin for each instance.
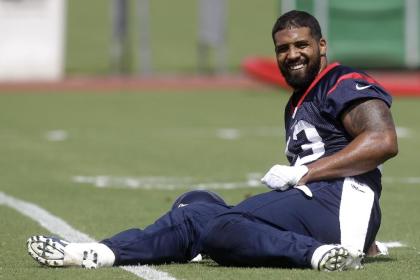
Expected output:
(314, 146)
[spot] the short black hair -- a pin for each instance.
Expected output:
(298, 19)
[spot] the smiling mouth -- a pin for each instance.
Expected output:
(295, 67)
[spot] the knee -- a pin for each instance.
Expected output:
(219, 240)
(212, 233)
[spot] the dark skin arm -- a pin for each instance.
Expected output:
(370, 124)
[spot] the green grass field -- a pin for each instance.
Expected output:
(178, 139)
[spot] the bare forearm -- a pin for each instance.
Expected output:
(375, 140)
(363, 154)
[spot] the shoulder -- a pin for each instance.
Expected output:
(340, 75)
(345, 85)
(344, 79)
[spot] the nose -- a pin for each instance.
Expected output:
(293, 53)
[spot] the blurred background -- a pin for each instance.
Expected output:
(51, 39)
(110, 109)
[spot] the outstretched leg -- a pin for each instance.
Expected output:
(172, 238)
(55, 252)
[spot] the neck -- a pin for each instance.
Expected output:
(324, 63)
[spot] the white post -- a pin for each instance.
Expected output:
(287, 5)
(145, 53)
(321, 12)
(32, 40)
(412, 34)
(212, 33)
(119, 43)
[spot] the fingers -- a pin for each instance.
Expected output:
(281, 177)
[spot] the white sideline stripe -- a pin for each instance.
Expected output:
(45, 219)
(58, 226)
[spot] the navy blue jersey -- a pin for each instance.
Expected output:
(313, 124)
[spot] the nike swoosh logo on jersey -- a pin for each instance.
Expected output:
(359, 87)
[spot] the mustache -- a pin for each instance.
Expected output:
(289, 63)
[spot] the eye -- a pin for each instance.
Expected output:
(301, 45)
(281, 49)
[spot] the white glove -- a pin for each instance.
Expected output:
(282, 177)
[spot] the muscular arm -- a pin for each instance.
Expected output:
(370, 124)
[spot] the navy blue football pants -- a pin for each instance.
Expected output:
(280, 229)
(283, 229)
(174, 237)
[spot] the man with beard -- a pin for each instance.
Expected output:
(323, 211)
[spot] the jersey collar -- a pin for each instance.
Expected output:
(314, 82)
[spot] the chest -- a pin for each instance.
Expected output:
(311, 134)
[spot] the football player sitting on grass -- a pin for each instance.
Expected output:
(323, 211)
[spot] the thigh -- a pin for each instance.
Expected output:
(193, 216)
(291, 210)
(174, 237)
(241, 240)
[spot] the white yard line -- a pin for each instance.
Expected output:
(401, 180)
(163, 183)
(274, 131)
(236, 133)
(57, 135)
(149, 182)
(59, 227)
(173, 183)
(404, 132)
(228, 133)
(394, 244)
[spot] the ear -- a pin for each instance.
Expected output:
(322, 47)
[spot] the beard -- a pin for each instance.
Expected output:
(301, 81)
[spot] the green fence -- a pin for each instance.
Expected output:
(374, 33)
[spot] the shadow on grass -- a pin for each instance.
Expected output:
(379, 260)
(370, 260)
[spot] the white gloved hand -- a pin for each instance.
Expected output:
(282, 177)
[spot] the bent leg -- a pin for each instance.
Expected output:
(172, 238)
(285, 228)
(343, 212)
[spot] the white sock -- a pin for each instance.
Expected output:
(319, 253)
(74, 254)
